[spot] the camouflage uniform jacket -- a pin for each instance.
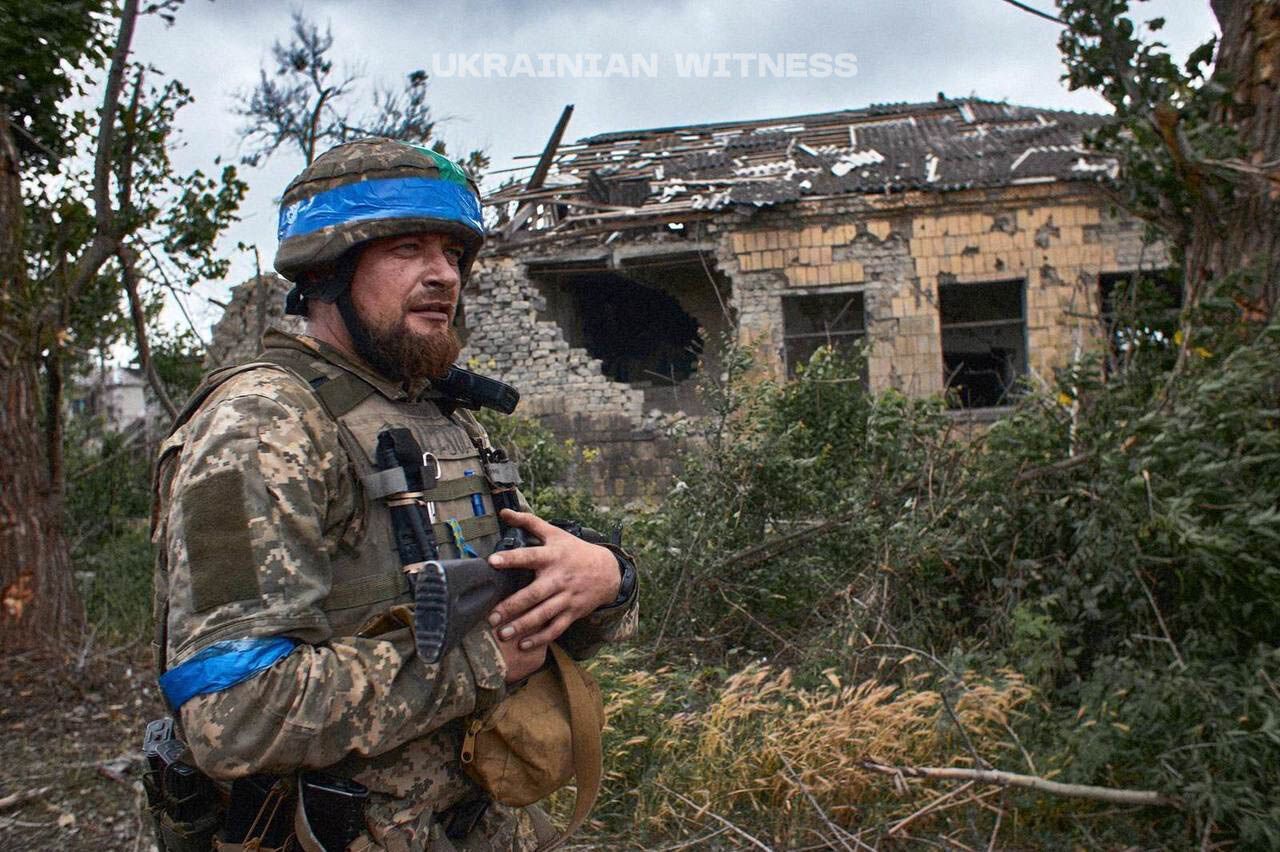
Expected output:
(258, 507)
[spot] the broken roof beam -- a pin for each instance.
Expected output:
(548, 154)
(540, 172)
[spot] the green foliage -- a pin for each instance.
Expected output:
(45, 48)
(1163, 111)
(178, 356)
(543, 458)
(108, 506)
(1114, 542)
(818, 466)
(166, 222)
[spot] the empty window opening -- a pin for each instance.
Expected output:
(649, 324)
(984, 342)
(837, 320)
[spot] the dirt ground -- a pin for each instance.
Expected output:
(70, 749)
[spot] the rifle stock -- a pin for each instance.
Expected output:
(470, 589)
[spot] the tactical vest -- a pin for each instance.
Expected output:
(367, 576)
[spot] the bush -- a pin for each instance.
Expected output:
(1112, 543)
(108, 510)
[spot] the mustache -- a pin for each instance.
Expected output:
(431, 305)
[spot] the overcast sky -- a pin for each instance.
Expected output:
(491, 77)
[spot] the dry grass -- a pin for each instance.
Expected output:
(781, 762)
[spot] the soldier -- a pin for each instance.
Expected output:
(277, 575)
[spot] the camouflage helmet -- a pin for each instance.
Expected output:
(364, 190)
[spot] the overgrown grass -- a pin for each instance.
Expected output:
(779, 760)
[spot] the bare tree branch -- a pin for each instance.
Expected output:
(1029, 782)
(1034, 11)
(129, 274)
(106, 132)
(106, 237)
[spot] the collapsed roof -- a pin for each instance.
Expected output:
(637, 178)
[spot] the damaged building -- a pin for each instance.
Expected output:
(965, 243)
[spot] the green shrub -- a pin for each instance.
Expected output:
(1113, 540)
(108, 505)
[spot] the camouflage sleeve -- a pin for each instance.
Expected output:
(253, 501)
(322, 703)
(260, 496)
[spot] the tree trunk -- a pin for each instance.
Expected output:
(1247, 238)
(37, 594)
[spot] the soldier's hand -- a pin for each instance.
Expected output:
(572, 578)
(521, 663)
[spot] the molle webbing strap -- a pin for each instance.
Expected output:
(472, 528)
(363, 590)
(454, 489)
(338, 394)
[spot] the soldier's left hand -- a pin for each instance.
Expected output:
(572, 578)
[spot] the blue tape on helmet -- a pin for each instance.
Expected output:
(222, 665)
(387, 198)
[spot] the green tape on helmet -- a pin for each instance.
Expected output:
(449, 170)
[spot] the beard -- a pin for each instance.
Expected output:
(396, 352)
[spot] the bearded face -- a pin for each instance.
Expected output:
(399, 308)
(398, 352)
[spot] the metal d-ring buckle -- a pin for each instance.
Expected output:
(430, 462)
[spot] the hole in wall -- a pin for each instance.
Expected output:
(648, 323)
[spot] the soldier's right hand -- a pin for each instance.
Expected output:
(520, 664)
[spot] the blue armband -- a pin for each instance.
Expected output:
(222, 665)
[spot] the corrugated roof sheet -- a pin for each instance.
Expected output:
(941, 145)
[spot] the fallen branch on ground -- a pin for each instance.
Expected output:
(14, 799)
(1030, 782)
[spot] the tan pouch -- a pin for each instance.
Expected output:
(535, 741)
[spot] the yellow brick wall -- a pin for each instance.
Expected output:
(965, 246)
(1060, 275)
